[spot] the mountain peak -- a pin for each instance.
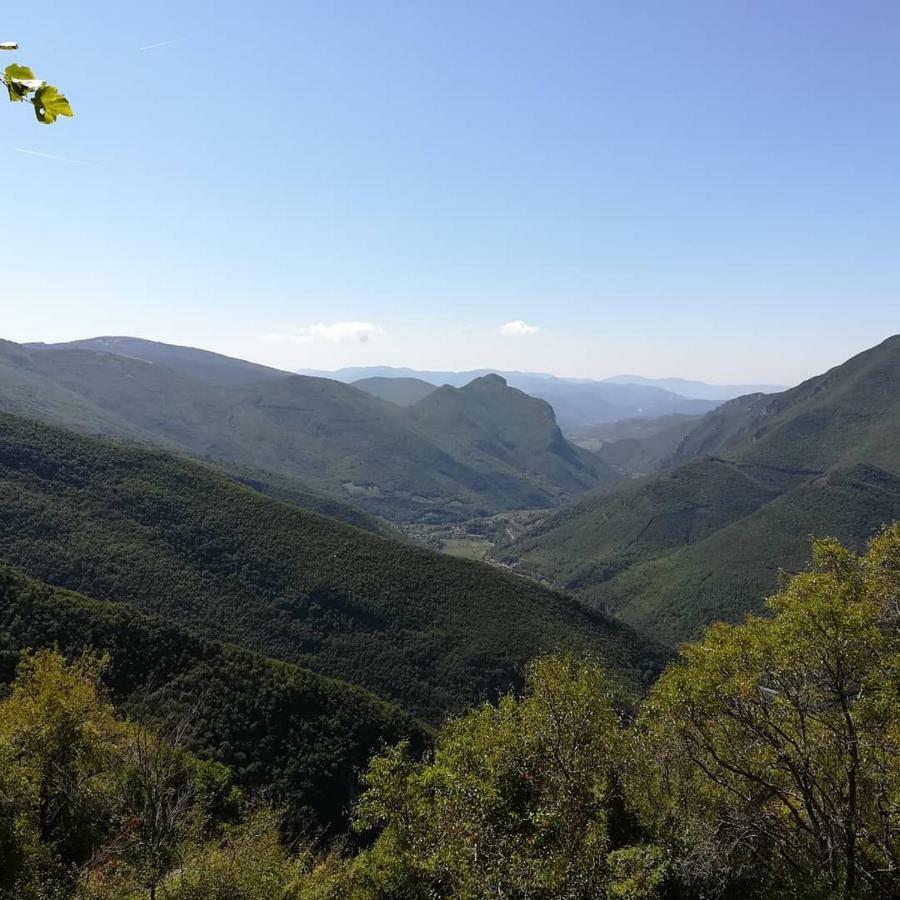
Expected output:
(490, 379)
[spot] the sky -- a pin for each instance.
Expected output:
(708, 190)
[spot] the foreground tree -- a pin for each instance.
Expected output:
(23, 85)
(96, 808)
(518, 801)
(774, 746)
(59, 745)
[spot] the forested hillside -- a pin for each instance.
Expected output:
(491, 425)
(279, 727)
(705, 538)
(331, 437)
(762, 764)
(177, 539)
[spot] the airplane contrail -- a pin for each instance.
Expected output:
(77, 162)
(163, 44)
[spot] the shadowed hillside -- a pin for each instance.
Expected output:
(176, 539)
(279, 727)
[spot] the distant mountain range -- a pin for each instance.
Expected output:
(402, 391)
(325, 437)
(691, 390)
(577, 402)
(698, 390)
(737, 498)
(228, 530)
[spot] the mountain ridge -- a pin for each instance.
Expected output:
(577, 401)
(699, 390)
(674, 550)
(332, 437)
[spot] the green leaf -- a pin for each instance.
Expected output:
(50, 103)
(9, 45)
(20, 81)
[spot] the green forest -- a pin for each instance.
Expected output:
(176, 539)
(450, 451)
(764, 762)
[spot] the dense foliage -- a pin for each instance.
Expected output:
(772, 749)
(298, 735)
(705, 539)
(181, 541)
(518, 800)
(94, 807)
(402, 391)
(764, 763)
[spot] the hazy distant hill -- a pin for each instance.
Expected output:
(176, 539)
(331, 436)
(637, 446)
(753, 481)
(212, 367)
(699, 390)
(402, 391)
(577, 402)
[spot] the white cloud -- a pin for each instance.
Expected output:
(336, 333)
(517, 328)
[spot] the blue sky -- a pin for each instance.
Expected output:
(709, 190)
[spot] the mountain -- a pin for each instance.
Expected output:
(577, 402)
(726, 574)
(402, 391)
(744, 490)
(637, 446)
(298, 735)
(580, 403)
(330, 437)
(698, 390)
(203, 364)
(488, 424)
(176, 539)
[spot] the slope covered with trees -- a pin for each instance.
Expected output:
(332, 437)
(764, 763)
(177, 539)
(225, 371)
(96, 807)
(490, 425)
(706, 537)
(298, 735)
